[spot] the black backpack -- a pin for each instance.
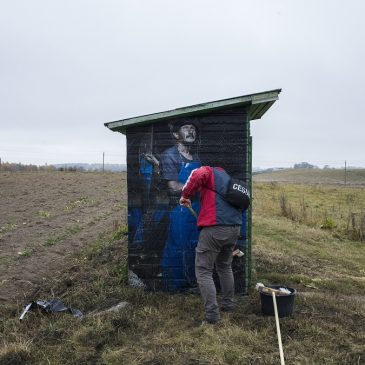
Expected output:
(237, 194)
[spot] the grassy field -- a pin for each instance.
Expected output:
(302, 239)
(315, 176)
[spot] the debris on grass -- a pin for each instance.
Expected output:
(53, 306)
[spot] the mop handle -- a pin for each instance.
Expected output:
(192, 211)
(278, 329)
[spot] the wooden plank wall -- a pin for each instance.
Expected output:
(223, 140)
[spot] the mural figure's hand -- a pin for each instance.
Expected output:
(185, 202)
(152, 159)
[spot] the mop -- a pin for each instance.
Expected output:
(281, 291)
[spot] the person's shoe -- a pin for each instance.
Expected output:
(227, 309)
(209, 321)
(194, 290)
(204, 322)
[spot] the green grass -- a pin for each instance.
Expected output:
(4, 261)
(120, 206)
(340, 210)
(25, 253)
(315, 176)
(324, 265)
(44, 213)
(59, 236)
(82, 201)
(8, 227)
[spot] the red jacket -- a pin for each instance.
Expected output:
(214, 210)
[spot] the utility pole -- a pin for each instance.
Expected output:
(103, 160)
(345, 172)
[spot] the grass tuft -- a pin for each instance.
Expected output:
(15, 353)
(25, 253)
(60, 236)
(79, 203)
(44, 213)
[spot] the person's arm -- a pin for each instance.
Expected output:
(175, 186)
(198, 178)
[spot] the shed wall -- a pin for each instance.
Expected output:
(162, 235)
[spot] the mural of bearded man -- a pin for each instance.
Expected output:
(177, 163)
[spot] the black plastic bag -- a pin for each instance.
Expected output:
(53, 306)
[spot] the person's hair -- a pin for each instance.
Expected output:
(175, 125)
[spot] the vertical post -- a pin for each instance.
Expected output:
(345, 172)
(103, 160)
(249, 218)
(248, 177)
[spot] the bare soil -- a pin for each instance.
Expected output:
(48, 217)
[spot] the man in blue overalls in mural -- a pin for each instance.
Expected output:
(177, 162)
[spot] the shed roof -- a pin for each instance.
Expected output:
(257, 105)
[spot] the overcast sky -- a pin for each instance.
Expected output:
(66, 67)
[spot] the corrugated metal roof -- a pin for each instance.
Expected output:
(257, 105)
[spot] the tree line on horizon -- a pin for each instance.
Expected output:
(15, 167)
(95, 167)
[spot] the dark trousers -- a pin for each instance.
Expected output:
(215, 247)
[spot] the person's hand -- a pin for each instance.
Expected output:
(237, 252)
(185, 202)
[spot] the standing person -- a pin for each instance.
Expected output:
(177, 162)
(219, 224)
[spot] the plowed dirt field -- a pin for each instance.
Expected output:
(48, 217)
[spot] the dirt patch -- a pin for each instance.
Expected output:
(48, 217)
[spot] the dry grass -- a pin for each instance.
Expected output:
(326, 328)
(352, 177)
(340, 210)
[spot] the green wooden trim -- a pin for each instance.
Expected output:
(249, 220)
(264, 100)
(248, 258)
(248, 177)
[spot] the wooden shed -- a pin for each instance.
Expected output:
(162, 149)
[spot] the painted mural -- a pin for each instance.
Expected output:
(162, 234)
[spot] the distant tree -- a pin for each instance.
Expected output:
(12, 167)
(304, 165)
(47, 168)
